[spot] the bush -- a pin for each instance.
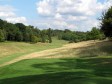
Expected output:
(34, 39)
(2, 36)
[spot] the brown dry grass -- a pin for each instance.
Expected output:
(57, 52)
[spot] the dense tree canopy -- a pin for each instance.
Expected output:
(22, 33)
(75, 36)
(106, 24)
(2, 36)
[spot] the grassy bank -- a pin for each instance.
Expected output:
(11, 50)
(93, 66)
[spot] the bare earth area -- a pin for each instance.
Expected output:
(50, 53)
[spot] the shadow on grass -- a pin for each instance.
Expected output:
(72, 71)
(94, 66)
(69, 71)
(57, 78)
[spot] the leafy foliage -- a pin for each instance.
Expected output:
(2, 36)
(22, 33)
(106, 24)
(49, 35)
(73, 36)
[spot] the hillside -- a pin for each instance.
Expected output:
(55, 41)
(87, 62)
(12, 50)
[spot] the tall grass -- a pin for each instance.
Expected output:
(100, 49)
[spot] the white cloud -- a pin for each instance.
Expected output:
(76, 7)
(17, 20)
(77, 18)
(73, 14)
(58, 16)
(44, 8)
(8, 13)
(5, 14)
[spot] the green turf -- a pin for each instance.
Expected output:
(58, 71)
(93, 66)
(13, 50)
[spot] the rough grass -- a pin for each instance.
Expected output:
(11, 50)
(98, 49)
(93, 66)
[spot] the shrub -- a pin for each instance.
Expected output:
(2, 36)
(34, 39)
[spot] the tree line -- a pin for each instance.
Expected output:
(77, 36)
(22, 33)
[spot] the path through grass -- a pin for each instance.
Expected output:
(90, 67)
(12, 50)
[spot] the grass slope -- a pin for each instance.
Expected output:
(11, 50)
(90, 67)
(95, 49)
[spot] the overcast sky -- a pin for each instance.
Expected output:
(80, 15)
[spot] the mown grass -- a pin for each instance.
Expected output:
(11, 50)
(58, 71)
(90, 67)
